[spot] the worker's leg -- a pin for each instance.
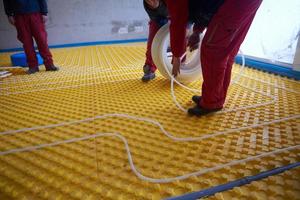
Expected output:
(149, 66)
(153, 28)
(224, 35)
(22, 24)
(40, 35)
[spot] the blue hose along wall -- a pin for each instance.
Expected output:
(230, 185)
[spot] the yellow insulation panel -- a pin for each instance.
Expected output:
(49, 121)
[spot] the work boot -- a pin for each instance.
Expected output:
(52, 68)
(33, 70)
(199, 111)
(196, 99)
(148, 74)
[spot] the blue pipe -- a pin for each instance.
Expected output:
(269, 67)
(83, 44)
(230, 185)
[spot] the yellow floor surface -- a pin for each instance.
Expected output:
(49, 121)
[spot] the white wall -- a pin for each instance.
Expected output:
(76, 21)
(275, 31)
(296, 64)
(273, 34)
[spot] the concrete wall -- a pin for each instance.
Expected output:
(76, 21)
(273, 34)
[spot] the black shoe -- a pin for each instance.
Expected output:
(196, 99)
(198, 111)
(52, 68)
(33, 70)
(148, 75)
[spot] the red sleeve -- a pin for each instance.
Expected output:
(178, 11)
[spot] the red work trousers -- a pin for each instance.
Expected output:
(31, 26)
(153, 28)
(225, 33)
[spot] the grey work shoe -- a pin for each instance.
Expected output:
(52, 68)
(148, 75)
(33, 70)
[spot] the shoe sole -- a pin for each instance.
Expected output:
(207, 112)
(32, 72)
(148, 79)
(52, 70)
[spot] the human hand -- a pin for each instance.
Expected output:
(153, 4)
(11, 20)
(193, 41)
(45, 18)
(176, 66)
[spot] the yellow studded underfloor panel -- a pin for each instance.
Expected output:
(93, 130)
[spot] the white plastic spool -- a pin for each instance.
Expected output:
(189, 72)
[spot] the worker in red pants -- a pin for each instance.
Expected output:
(157, 11)
(29, 18)
(158, 14)
(228, 25)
